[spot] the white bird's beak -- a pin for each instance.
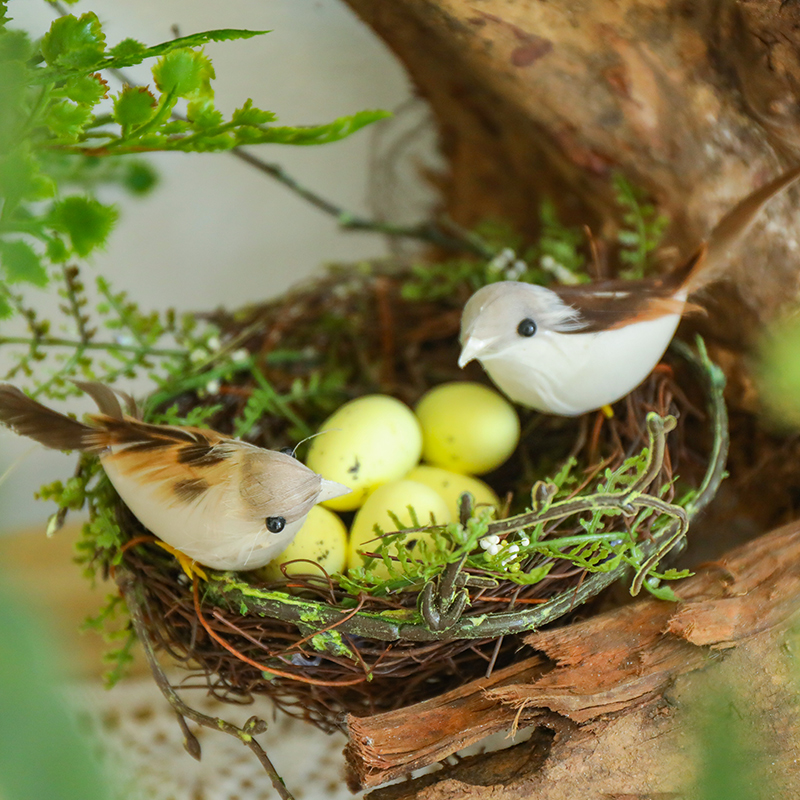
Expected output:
(330, 489)
(471, 350)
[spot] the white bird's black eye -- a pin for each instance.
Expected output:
(527, 327)
(275, 524)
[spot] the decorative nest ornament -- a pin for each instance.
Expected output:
(586, 502)
(589, 500)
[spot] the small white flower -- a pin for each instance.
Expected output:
(493, 549)
(516, 270)
(493, 539)
(485, 543)
(213, 343)
(501, 260)
(240, 355)
(198, 354)
(212, 387)
(514, 548)
(524, 541)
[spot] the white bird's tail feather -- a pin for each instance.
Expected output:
(729, 231)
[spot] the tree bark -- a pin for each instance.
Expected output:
(696, 101)
(627, 695)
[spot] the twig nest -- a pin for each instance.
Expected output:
(467, 427)
(368, 442)
(401, 504)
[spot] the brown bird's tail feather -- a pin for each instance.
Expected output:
(707, 263)
(30, 418)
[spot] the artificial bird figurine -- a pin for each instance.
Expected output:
(219, 501)
(571, 349)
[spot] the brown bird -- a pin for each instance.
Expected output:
(219, 501)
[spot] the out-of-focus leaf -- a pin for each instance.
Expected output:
(67, 119)
(85, 220)
(21, 178)
(15, 46)
(21, 263)
(134, 106)
(77, 42)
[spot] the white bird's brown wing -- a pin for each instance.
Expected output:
(608, 305)
(614, 304)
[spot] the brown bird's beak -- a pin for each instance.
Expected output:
(330, 489)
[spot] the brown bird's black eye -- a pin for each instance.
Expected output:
(275, 524)
(527, 327)
(287, 451)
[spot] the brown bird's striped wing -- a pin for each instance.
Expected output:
(186, 461)
(165, 453)
(28, 417)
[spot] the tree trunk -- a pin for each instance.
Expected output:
(695, 101)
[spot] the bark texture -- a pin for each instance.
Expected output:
(623, 693)
(694, 100)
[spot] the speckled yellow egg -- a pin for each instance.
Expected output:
(395, 497)
(467, 427)
(451, 485)
(370, 441)
(323, 538)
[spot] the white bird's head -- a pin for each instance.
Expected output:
(511, 318)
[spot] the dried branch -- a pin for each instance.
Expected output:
(246, 734)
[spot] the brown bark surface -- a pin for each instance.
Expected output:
(695, 101)
(620, 691)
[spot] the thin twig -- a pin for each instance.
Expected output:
(246, 734)
(55, 341)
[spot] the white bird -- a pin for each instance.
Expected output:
(573, 349)
(219, 501)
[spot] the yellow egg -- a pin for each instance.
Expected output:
(394, 497)
(450, 486)
(466, 427)
(323, 538)
(371, 441)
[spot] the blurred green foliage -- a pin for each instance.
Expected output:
(60, 117)
(779, 371)
(43, 755)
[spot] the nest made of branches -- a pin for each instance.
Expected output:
(359, 325)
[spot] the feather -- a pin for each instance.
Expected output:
(105, 398)
(729, 231)
(29, 418)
